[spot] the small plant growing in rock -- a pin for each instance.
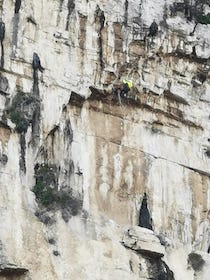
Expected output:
(44, 188)
(20, 111)
(49, 196)
(15, 114)
(20, 121)
(44, 194)
(204, 19)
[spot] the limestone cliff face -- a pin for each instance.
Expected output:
(94, 185)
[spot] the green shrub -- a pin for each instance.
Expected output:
(19, 120)
(44, 188)
(204, 19)
(44, 194)
(48, 195)
(16, 114)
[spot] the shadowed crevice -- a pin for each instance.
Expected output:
(17, 6)
(2, 35)
(22, 161)
(144, 216)
(126, 13)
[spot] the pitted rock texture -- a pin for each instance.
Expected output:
(105, 150)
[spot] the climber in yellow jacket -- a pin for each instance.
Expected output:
(127, 85)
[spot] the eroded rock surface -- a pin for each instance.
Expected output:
(77, 158)
(143, 241)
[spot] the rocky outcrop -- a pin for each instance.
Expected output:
(147, 246)
(143, 241)
(8, 270)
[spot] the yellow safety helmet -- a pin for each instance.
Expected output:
(129, 82)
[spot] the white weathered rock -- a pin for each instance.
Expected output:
(143, 241)
(106, 153)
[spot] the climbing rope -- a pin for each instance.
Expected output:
(121, 106)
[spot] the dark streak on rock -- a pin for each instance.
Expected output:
(31, 20)
(130, 264)
(2, 34)
(15, 34)
(126, 13)
(82, 37)
(71, 6)
(4, 85)
(36, 63)
(118, 42)
(2, 55)
(100, 20)
(51, 134)
(52, 131)
(170, 96)
(68, 132)
(15, 27)
(201, 172)
(17, 6)
(172, 116)
(22, 161)
(60, 5)
(190, 57)
(37, 113)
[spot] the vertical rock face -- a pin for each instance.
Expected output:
(96, 183)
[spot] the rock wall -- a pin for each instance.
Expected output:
(80, 166)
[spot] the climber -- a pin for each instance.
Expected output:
(2, 31)
(126, 87)
(36, 64)
(153, 29)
